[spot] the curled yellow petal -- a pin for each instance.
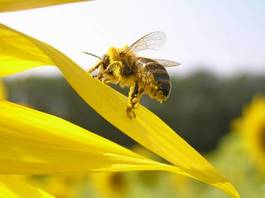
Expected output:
(146, 128)
(14, 5)
(15, 187)
(19, 54)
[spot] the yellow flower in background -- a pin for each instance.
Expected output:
(64, 186)
(252, 127)
(39, 143)
(109, 184)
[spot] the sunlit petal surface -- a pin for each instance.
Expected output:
(15, 187)
(146, 128)
(14, 5)
(33, 142)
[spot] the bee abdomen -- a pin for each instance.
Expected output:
(160, 75)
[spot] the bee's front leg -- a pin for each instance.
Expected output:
(114, 66)
(90, 70)
(134, 97)
(111, 73)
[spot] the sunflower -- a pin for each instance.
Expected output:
(252, 127)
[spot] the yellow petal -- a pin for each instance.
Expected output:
(14, 5)
(19, 54)
(15, 187)
(33, 142)
(2, 91)
(146, 128)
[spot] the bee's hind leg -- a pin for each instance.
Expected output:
(134, 97)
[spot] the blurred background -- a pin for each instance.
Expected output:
(217, 103)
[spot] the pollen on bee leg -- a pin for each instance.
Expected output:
(130, 112)
(129, 105)
(136, 105)
(134, 100)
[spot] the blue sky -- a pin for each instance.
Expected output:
(222, 36)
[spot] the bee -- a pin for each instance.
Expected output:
(142, 75)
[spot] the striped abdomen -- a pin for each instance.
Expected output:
(159, 74)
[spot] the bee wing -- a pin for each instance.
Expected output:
(153, 41)
(167, 63)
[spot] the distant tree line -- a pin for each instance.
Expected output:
(200, 108)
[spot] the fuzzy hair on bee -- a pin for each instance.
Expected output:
(142, 75)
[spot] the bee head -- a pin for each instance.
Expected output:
(110, 72)
(105, 61)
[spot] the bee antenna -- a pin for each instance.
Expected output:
(93, 55)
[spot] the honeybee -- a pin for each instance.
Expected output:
(143, 75)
